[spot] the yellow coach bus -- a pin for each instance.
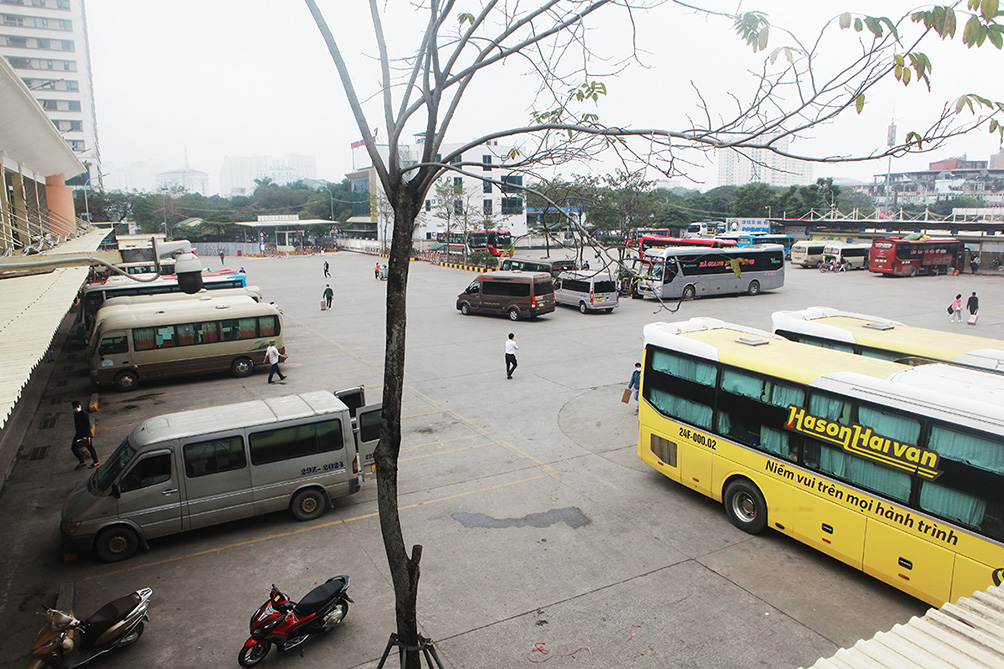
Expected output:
(883, 338)
(895, 470)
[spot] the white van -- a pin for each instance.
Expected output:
(589, 291)
(807, 253)
(850, 256)
(192, 469)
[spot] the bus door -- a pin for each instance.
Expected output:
(148, 494)
(910, 563)
(217, 480)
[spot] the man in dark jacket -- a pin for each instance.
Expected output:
(82, 435)
(973, 304)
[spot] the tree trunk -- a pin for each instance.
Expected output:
(404, 570)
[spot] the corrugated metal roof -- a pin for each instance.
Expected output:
(31, 309)
(968, 633)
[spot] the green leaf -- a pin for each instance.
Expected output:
(874, 25)
(970, 32)
(906, 77)
(859, 103)
(973, 4)
(845, 20)
(994, 35)
(981, 36)
(938, 19)
(764, 32)
(465, 17)
(858, 25)
(960, 104)
(988, 9)
(898, 72)
(898, 60)
(949, 23)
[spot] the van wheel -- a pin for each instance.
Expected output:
(514, 314)
(465, 309)
(241, 367)
(582, 308)
(754, 288)
(116, 543)
(308, 504)
(125, 381)
(745, 506)
(689, 293)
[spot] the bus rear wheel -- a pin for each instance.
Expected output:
(689, 293)
(514, 314)
(745, 506)
(754, 288)
(242, 367)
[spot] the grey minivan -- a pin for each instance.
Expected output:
(515, 294)
(196, 468)
(589, 291)
(537, 265)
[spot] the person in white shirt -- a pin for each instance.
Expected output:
(272, 356)
(510, 355)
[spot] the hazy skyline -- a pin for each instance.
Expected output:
(249, 77)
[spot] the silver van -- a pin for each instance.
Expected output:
(196, 468)
(589, 291)
(553, 267)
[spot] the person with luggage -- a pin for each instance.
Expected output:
(973, 305)
(635, 383)
(328, 294)
(955, 309)
(83, 436)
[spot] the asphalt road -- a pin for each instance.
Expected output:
(544, 536)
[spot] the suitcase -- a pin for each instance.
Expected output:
(972, 319)
(324, 304)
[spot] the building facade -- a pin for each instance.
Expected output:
(944, 180)
(45, 41)
(240, 172)
(189, 180)
(762, 166)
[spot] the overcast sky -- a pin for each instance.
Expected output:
(253, 77)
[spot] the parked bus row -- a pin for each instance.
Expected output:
(495, 242)
(896, 470)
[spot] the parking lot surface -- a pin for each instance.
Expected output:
(544, 536)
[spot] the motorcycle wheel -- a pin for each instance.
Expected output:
(250, 656)
(335, 616)
(132, 637)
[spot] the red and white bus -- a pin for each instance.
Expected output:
(910, 257)
(499, 242)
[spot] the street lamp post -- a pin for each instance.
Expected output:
(767, 207)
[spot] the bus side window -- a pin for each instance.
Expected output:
(113, 345)
(218, 455)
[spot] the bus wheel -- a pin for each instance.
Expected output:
(754, 288)
(126, 381)
(465, 309)
(241, 367)
(689, 293)
(745, 506)
(514, 314)
(116, 543)
(308, 504)
(912, 271)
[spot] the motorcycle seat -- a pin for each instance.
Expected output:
(110, 614)
(314, 600)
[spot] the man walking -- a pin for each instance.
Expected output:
(328, 294)
(510, 355)
(82, 435)
(376, 271)
(635, 383)
(974, 263)
(326, 273)
(222, 256)
(973, 304)
(272, 357)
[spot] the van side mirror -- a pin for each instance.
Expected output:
(116, 491)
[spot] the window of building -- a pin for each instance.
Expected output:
(458, 207)
(458, 181)
(456, 160)
(42, 43)
(62, 4)
(428, 205)
(38, 3)
(486, 186)
(11, 20)
(77, 145)
(73, 105)
(486, 163)
(16, 41)
(41, 23)
(67, 45)
(488, 207)
(515, 180)
(65, 24)
(512, 206)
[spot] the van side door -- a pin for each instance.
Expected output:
(149, 495)
(366, 430)
(217, 479)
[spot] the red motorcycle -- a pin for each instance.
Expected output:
(288, 624)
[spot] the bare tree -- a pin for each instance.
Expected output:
(421, 89)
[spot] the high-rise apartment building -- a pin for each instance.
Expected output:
(240, 172)
(762, 166)
(45, 42)
(186, 180)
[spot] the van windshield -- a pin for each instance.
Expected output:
(543, 286)
(112, 467)
(604, 287)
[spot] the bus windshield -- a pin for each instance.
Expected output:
(111, 468)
